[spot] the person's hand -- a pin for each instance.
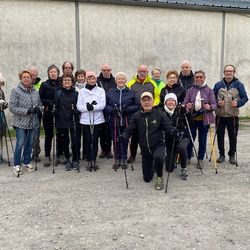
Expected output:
(94, 103)
(75, 112)
(120, 139)
(207, 106)
(115, 110)
(221, 103)
(89, 106)
(125, 111)
(234, 104)
(189, 105)
(38, 110)
(31, 110)
(184, 110)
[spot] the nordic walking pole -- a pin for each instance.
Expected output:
(235, 135)
(123, 160)
(91, 126)
(8, 132)
(115, 137)
(211, 141)
(129, 143)
(74, 127)
(54, 135)
(192, 139)
(36, 138)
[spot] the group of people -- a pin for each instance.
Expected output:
(78, 109)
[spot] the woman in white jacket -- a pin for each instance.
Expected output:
(91, 102)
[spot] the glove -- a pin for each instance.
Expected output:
(177, 134)
(183, 110)
(38, 110)
(115, 111)
(94, 103)
(31, 110)
(120, 139)
(89, 106)
(4, 104)
(125, 111)
(75, 112)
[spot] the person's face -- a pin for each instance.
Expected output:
(156, 74)
(142, 72)
(170, 103)
(67, 69)
(91, 80)
(172, 79)
(186, 69)
(26, 79)
(147, 103)
(229, 73)
(67, 82)
(120, 81)
(199, 79)
(1, 84)
(106, 71)
(34, 73)
(53, 74)
(80, 78)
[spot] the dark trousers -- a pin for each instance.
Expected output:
(36, 149)
(49, 132)
(232, 125)
(179, 148)
(105, 138)
(134, 145)
(202, 138)
(118, 154)
(74, 142)
(152, 163)
(81, 142)
(91, 141)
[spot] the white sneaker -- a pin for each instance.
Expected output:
(29, 167)
(17, 170)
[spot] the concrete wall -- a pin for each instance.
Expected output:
(39, 33)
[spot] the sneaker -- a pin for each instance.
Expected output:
(47, 162)
(29, 167)
(75, 165)
(200, 164)
(159, 183)
(96, 166)
(60, 160)
(130, 159)
(184, 174)
(88, 166)
(232, 160)
(188, 161)
(35, 158)
(2, 160)
(68, 165)
(116, 165)
(102, 155)
(17, 170)
(124, 166)
(109, 155)
(221, 159)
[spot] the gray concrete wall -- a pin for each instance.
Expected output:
(39, 33)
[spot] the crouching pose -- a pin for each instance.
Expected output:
(149, 123)
(180, 144)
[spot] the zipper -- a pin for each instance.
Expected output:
(147, 135)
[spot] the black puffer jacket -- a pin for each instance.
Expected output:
(47, 93)
(186, 81)
(106, 83)
(64, 99)
(149, 127)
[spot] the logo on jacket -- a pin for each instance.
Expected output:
(154, 121)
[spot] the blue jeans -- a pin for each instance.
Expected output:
(24, 139)
(202, 138)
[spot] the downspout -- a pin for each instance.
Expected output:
(78, 60)
(222, 44)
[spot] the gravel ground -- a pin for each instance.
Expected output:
(95, 210)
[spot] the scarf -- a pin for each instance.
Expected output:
(171, 112)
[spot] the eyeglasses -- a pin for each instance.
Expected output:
(142, 71)
(197, 77)
(106, 70)
(67, 67)
(228, 71)
(67, 80)
(172, 77)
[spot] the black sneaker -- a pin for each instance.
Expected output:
(68, 166)
(109, 155)
(102, 155)
(232, 160)
(75, 165)
(184, 174)
(116, 165)
(221, 159)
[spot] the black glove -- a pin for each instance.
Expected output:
(120, 139)
(115, 110)
(183, 110)
(94, 103)
(31, 110)
(125, 111)
(38, 110)
(75, 112)
(177, 134)
(5, 105)
(89, 106)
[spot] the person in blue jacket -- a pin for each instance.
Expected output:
(121, 103)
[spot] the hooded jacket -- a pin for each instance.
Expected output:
(234, 90)
(148, 85)
(21, 99)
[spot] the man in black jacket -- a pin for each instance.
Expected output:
(186, 76)
(106, 81)
(149, 123)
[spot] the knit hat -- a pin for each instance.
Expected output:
(148, 94)
(53, 66)
(1, 78)
(170, 95)
(90, 73)
(120, 73)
